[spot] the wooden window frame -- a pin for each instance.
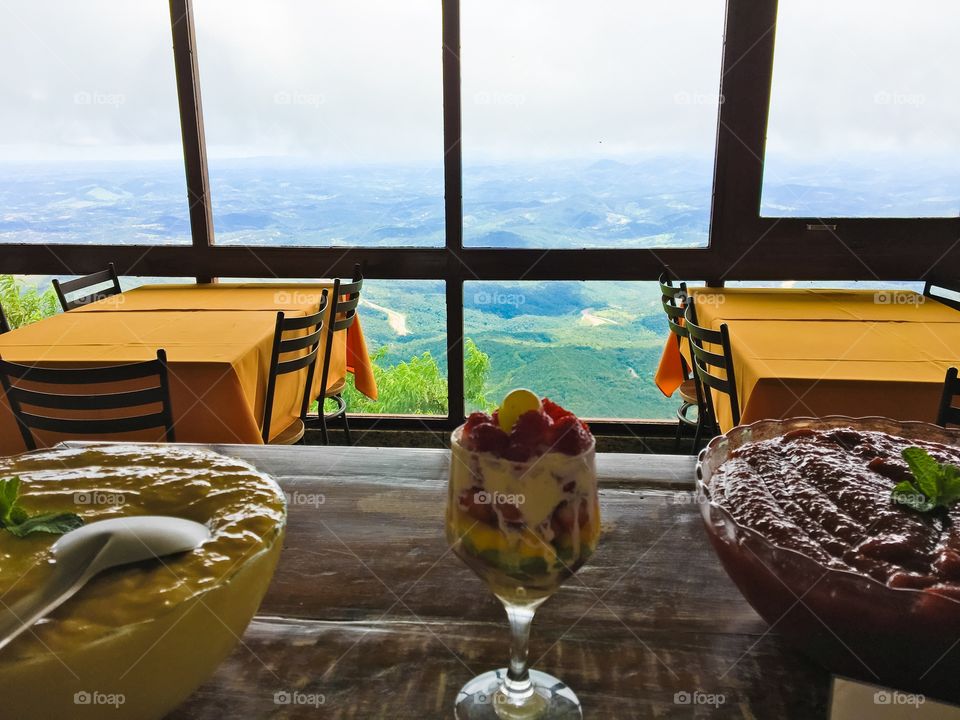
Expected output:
(743, 245)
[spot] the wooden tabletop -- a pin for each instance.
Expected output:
(370, 616)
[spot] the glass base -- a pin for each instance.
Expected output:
(483, 699)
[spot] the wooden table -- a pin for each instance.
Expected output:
(370, 610)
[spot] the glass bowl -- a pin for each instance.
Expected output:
(849, 623)
(159, 643)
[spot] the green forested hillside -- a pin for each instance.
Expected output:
(593, 346)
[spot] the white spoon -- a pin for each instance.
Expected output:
(82, 553)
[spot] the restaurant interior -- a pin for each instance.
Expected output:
(331, 331)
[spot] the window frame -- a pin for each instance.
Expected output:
(742, 244)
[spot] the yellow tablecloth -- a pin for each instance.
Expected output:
(219, 358)
(823, 352)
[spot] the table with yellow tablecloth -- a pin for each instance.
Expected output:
(218, 340)
(803, 352)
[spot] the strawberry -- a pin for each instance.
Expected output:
(487, 437)
(562, 519)
(477, 510)
(583, 516)
(554, 411)
(532, 429)
(517, 452)
(570, 436)
(477, 418)
(510, 513)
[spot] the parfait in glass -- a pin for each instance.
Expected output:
(523, 514)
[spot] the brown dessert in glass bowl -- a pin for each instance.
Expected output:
(800, 513)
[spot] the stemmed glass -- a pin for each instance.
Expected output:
(524, 528)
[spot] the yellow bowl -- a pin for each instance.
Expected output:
(137, 641)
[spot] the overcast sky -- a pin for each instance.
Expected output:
(360, 81)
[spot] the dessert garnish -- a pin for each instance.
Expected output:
(934, 485)
(15, 519)
(524, 427)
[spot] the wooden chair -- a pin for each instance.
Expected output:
(85, 286)
(21, 382)
(674, 300)
(704, 361)
(947, 413)
(309, 342)
(343, 311)
(928, 291)
(4, 324)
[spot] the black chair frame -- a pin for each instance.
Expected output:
(343, 312)
(84, 285)
(4, 323)
(310, 341)
(674, 300)
(18, 396)
(947, 414)
(704, 360)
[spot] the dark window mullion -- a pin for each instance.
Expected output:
(191, 126)
(453, 208)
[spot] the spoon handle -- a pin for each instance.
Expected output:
(68, 577)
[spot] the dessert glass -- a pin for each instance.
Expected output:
(524, 528)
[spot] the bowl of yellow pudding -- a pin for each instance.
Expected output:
(137, 640)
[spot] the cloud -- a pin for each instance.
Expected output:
(346, 82)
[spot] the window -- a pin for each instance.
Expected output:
(323, 121)
(584, 127)
(593, 346)
(589, 125)
(90, 149)
(864, 116)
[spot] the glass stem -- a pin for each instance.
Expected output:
(517, 686)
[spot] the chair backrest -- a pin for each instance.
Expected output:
(343, 312)
(87, 288)
(673, 300)
(706, 361)
(4, 325)
(304, 346)
(22, 385)
(947, 414)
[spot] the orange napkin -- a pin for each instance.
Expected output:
(669, 375)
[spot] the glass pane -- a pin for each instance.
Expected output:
(405, 326)
(27, 298)
(589, 125)
(864, 115)
(324, 121)
(90, 149)
(591, 346)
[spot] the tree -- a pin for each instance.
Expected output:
(417, 386)
(24, 304)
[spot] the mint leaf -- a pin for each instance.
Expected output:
(950, 485)
(907, 494)
(925, 470)
(9, 489)
(17, 521)
(53, 523)
(933, 485)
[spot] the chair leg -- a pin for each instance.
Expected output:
(676, 441)
(696, 435)
(323, 423)
(346, 427)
